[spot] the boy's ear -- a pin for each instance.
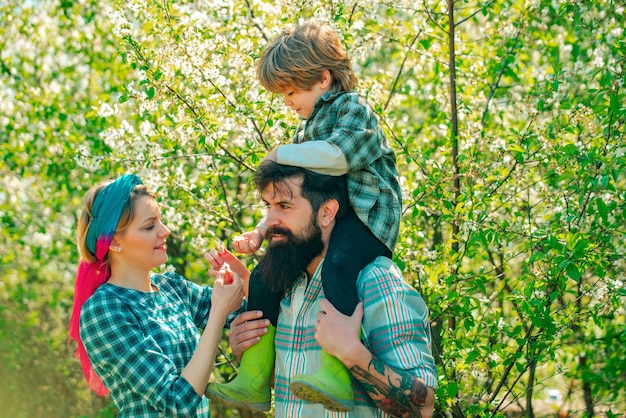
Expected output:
(328, 212)
(326, 79)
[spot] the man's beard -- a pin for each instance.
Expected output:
(285, 261)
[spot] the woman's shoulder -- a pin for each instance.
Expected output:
(106, 302)
(106, 292)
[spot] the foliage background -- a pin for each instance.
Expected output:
(508, 124)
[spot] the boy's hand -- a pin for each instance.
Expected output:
(249, 242)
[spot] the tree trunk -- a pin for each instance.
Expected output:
(530, 413)
(582, 360)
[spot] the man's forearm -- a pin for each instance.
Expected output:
(395, 392)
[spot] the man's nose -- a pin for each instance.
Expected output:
(271, 220)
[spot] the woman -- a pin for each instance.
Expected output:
(137, 331)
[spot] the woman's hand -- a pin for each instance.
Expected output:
(228, 291)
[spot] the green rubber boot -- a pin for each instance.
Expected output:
(331, 385)
(251, 388)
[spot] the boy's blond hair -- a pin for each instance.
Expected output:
(297, 58)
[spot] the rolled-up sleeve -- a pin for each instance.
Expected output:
(319, 156)
(396, 323)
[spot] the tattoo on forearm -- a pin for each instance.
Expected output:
(395, 392)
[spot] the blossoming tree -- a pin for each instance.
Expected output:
(507, 118)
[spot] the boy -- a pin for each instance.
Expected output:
(339, 135)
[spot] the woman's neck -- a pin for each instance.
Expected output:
(131, 279)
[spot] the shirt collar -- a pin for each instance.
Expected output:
(325, 98)
(329, 96)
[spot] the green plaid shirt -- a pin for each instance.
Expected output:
(347, 121)
(138, 343)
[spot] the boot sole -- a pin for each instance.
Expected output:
(258, 407)
(309, 393)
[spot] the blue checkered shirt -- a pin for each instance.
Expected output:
(138, 343)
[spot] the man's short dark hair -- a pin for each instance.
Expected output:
(316, 188)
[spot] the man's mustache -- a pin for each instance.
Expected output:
(278, 231)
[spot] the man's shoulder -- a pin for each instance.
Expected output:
(382, 262)
(383, 278)
(381, 267)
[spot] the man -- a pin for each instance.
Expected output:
(386, 342)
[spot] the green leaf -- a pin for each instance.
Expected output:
(536, 256)
(573, 272)
(472, 355)
(452, 389)
(603, 210)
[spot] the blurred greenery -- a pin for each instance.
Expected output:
(511, 150)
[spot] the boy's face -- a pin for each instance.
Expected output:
(302, 101)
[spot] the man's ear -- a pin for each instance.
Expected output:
(328, 212)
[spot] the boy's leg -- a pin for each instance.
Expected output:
(251, 389)
(352, 246)
(260, 297)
